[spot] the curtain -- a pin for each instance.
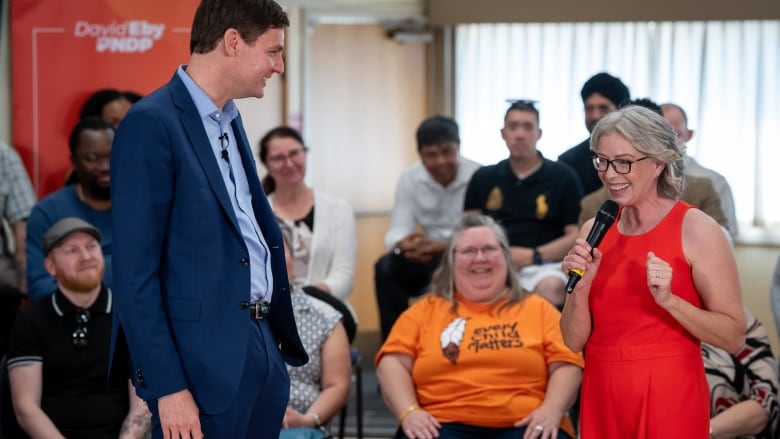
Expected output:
(725, 75)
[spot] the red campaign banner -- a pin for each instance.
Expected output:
(63, 50)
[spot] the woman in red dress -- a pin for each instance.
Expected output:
(663, 279)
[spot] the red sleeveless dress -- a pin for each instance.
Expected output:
(644, 375)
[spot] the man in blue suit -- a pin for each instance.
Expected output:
(199, 272)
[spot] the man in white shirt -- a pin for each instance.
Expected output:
(428, 202)
(676, 116)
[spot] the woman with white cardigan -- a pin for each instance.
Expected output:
(324, 238)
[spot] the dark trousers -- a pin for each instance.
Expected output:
(262, 397)
(396, 280)
(454, 430)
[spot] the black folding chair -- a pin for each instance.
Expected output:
(357, 372)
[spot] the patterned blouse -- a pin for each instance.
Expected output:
(302, 233)
(752, 373)
(316, 321)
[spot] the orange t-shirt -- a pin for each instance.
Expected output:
(480, 366)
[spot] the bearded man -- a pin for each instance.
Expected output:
(63, 382)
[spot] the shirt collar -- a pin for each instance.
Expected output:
(204, 104)
(462, 177)
(63, 306)
(506, 169)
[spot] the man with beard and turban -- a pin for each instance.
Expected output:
(63, 382)
(89, 199)
(601, 95)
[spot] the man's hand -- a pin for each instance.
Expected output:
(417, 248)
(179, 416)
(430, 249)
(409, 246)
(410, 242)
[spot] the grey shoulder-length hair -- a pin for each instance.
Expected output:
(443, 281)
(651, 135)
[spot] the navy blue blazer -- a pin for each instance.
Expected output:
(180, 262)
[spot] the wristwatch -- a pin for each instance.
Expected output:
(316, 417)
(537, 258)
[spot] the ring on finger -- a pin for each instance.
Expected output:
(539, 428)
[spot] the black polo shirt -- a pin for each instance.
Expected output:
(534, 210)
(78, 394)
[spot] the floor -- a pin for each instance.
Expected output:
(378, 422)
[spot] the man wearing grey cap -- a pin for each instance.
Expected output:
(58, 356)
(601, 95)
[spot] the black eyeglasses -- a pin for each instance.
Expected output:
(81, 332)
(621, 166)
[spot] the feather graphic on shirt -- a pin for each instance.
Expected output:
(451, 338)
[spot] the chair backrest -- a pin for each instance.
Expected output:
(346, 315)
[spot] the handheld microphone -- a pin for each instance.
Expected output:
(604, 219)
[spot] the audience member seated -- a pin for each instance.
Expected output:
(16, 201)
(428, 202)
(698, 191)
(323, 226)
(601, 95)
(535, 199)
(88, 199)
(479, 357)
(109, 104)
(58, 357)
(743, 387)
(319, 389)
(679, 121)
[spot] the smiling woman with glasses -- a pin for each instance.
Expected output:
(669, 271)
(479, 356)
(323, 226)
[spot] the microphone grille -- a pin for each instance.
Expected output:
(608, 212)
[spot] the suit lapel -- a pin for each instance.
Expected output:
(193, 125)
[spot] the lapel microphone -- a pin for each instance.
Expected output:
(224, 154)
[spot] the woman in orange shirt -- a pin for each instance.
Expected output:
(479, 357)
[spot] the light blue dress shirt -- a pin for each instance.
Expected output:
(222, 137)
